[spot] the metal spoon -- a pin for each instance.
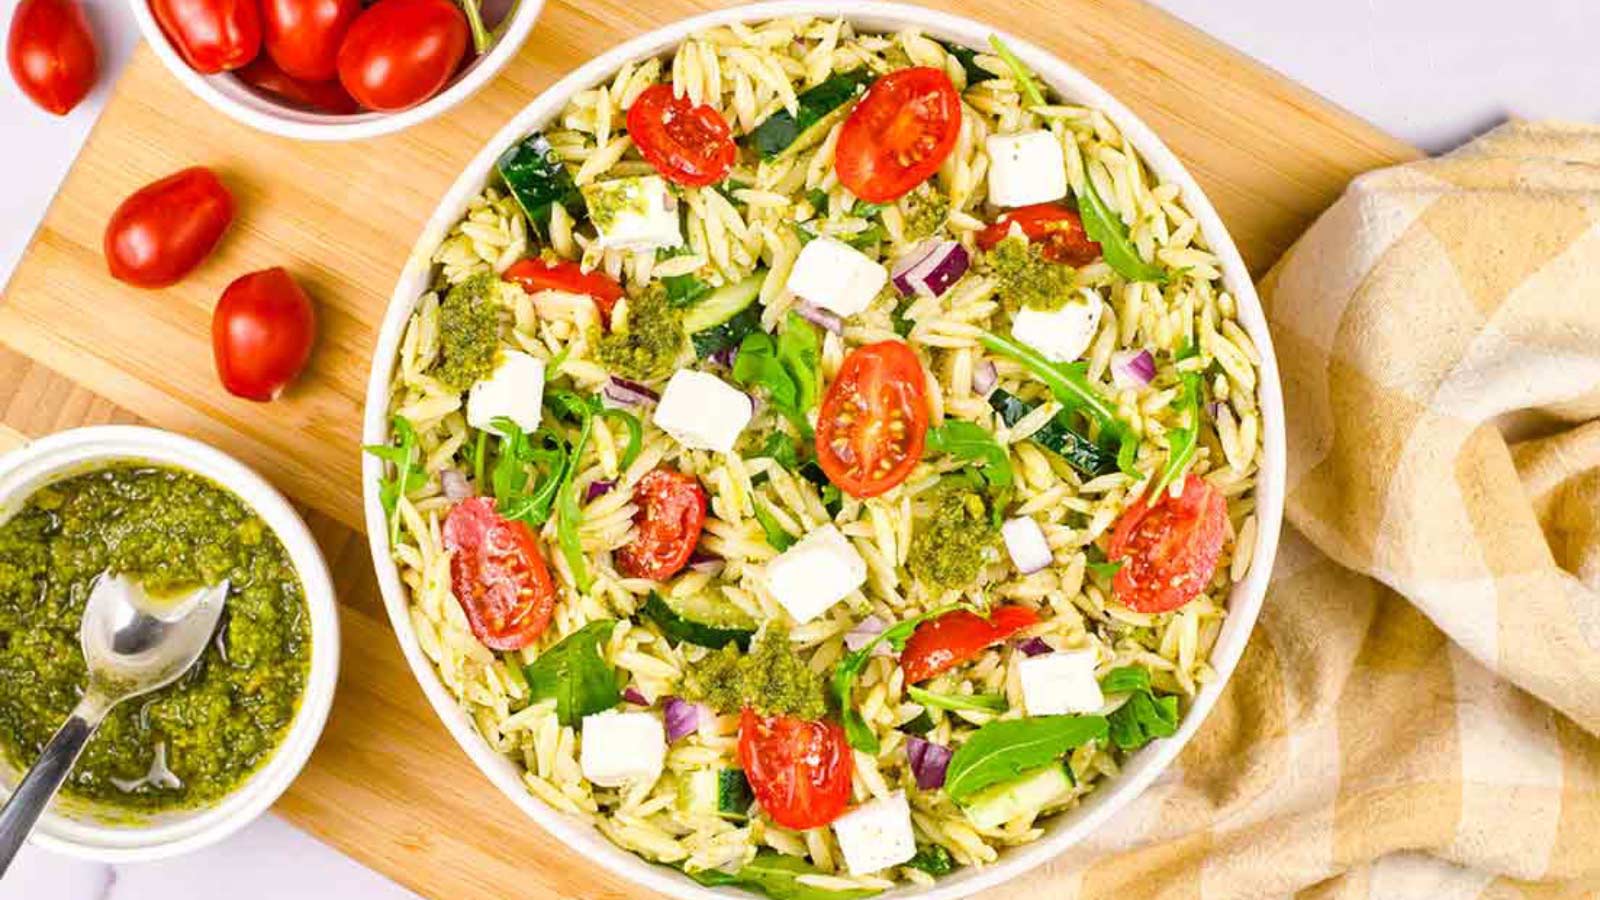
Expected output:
(133, 644)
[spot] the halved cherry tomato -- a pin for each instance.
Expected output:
(261, 334)
(399, 53)
(51, 53)
(166, 228)
(958, 636)
(672, 512)
(211, 35)
(799, 770)
(303, 36)
(1168, 549)
(498, 575)
(899, 134)
(1056, 229)
(874, 419)
(536, 275)
(688, 144)
(320, 96)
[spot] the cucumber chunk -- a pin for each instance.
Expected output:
(722, 792)
(1056, 436)
(538, 180)
(724, 303)
(994, 806)
(816, 111)
(706, 620)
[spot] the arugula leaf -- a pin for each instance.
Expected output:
(1019, 72)
(967, 440)
(510, 476)
(568, 514)
(1105, 228)
(1106, 568)
(778, 876)
(897, 318)
(480, 448)
(864, 210)
(407, 477)
(788, 368)
(575, 674)
(1057, 435)
(1183, 441)
(975, 702)
(850, 666)
(806, 235)
(1006, 748)
(757, 365)
(818, 198)
(866, 237)
(1071, 386)
(1143, 717)
(635, 432)
(921, 724)
(933, 859)
(800, 352)
(779, 539)
(781, 448)
(682, 290)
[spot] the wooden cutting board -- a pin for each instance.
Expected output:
(387, 785)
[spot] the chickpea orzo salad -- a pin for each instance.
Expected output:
(822, 457)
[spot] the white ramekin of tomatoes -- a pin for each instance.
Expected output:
(334, 70)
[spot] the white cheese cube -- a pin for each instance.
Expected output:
(1060, 334)
(702, 412)
(1025, 168)
(836, 276)
(1058, 683)
(814, 574)
(637, 213)
(515, 389)
(1026, 544)
(876, 835)
(622, 748)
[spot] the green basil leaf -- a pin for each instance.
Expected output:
(779, 539)
(576, 675)
(778, 876)
(818, 198)
(1143, 717)
(967, 440)
(974, 702)
(800, 353)
(781, 448)
(1125, 680)
(1004, 749)
(1105, 228)
(933, 859)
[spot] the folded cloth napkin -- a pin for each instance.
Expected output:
(1416, 715)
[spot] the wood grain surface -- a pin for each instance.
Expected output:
(387, 785)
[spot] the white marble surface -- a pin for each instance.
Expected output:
(1433, 72)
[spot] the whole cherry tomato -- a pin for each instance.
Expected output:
(1168, 549)
(261, 334)
(798, 770)
(688, 144)
(318, 96)
(899, 134)
(498, 575)
(303, 36)
(1056, 229)
(51, 53)
(874, 419)
(166, 228)
(672, 512)
(535, 275)
(958, 636)
(211, 35)
(401, 52)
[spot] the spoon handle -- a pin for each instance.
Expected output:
(44, 779)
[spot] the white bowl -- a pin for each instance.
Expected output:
(73, 827)
(1062, 831)
(240, 102)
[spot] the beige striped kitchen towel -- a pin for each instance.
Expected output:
(1416, 715)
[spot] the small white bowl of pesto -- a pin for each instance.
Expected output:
(182, 767)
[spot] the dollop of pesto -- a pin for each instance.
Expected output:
(646, 346)
(609, 199)
(925, 213)
(771, 679)
(952, 544)
(1027, 278)
(174, 531)
(469, 332)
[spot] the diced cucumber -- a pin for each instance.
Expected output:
(706, 620)
(535, 176)
(722, 792)
(1056, 436)
(994, 806)
(816, 111)
(724, 303)
(697, 791)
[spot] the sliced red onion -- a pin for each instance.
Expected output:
(1214, 410)
(725, 356)
(928, 762)
(864, 632)
(622, 392)
(682, 717)
(455, 485)
(1132, 368)
(633, 695)
(931, 268)
(984, 378)
(701, 561)
(598, 488)
(1035, 646)
(822, 318)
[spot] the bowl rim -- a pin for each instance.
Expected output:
(233, 98)
(36, 463)
(1245, 600)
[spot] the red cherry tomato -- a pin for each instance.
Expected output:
(874, 419)
(498, 575)
(688, 144)
(899, 134)
(319, 96)
(798, 770)
(302, 36)
(51, 53)
(399, 53)
(535, 275)
(211, 35)
(166, 228)
(672, 512)
(958, 636)
(1056, 229)
(1168, 549)
(261, 334)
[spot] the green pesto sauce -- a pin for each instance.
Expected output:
(469, 332)
(771, 678)
(951, 546)
(608, 199)
(1027, 278)
(174, 531)
(926, 211)
(647, 346)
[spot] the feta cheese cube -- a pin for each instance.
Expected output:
(515, 389)
(702, 412)
(814, 574)
(1026, 168)
(1060, 334)
(836, 276)
(876, 835)
(1026, 544)
(637, 213)
(622, 748)
(1058, 683)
